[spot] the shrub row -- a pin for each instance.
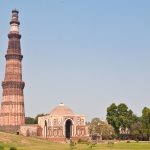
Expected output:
(11, 148)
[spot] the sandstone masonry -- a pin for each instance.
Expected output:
(12, 113)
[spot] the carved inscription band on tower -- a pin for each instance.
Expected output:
(12, 106)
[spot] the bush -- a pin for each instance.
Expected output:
(72, 144)
(83, 141)
(128, 141)
(92, 144)
(79, 140)
(13, 148)
(110, 143)
(1, 147)
(137, 140)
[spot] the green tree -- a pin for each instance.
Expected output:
(120, 117)
(136, 130)
(29, 120)
(36, 118)
(146, 122)
(112, 117)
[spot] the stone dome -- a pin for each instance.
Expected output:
(62, 110)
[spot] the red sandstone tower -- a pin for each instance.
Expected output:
(12, 106)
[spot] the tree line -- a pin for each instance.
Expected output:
(121, 123)
(126, 124)
(31, 120)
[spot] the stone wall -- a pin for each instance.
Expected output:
(9, 128)
(31, 130)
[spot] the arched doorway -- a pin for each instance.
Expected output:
(45, 129)
(68, 129)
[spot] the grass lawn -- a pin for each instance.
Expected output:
(29, 143)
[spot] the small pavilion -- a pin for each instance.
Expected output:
(62, 124)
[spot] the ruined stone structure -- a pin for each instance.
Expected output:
(12, 113)
(30, 130)
(62, 123)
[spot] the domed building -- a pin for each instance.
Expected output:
(62, 123)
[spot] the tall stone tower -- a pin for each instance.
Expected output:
(12, 106)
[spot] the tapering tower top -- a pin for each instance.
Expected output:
(14, 23)
(15, 10)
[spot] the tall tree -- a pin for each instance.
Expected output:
(120, 117)
(146, 121)
(136, 130)
(112, 117)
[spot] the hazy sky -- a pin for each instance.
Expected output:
(85, 53)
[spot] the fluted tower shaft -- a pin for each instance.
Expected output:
(12, 105)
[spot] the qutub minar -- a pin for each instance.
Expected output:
(12, 114)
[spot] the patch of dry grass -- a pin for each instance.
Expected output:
(30, 143)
